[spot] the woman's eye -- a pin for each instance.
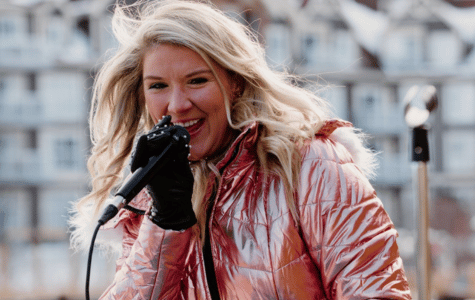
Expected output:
(158, 85)
(199, 80)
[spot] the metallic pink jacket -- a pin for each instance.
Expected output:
(343, 247)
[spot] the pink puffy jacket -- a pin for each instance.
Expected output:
(344, 246)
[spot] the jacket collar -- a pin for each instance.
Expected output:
(247, 139)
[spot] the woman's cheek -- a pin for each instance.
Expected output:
(154, 110)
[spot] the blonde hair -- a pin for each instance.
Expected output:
(287, 114)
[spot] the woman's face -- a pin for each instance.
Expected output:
(179, 83)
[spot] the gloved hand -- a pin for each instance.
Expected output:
(171, 189)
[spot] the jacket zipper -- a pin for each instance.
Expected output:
(207, 254)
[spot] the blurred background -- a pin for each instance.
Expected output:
(365, 54)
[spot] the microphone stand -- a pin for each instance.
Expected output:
(420, 155)
(420, 102)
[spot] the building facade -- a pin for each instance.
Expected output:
(364, 56)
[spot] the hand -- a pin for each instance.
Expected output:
(171, 189)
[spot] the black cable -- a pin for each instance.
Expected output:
(89, 259)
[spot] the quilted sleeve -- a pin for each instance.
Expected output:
(154, 265)
(348, 233)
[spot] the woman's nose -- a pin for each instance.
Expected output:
(179, 101)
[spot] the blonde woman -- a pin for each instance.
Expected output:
(273, 201)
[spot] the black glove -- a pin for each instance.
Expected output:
(171, 189)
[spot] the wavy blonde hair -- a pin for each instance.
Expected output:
(288, 114)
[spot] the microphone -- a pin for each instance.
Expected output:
(142, 175)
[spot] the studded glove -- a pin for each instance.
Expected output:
(172, 187)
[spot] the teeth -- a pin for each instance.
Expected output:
(187, 124)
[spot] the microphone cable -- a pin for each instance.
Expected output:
(108, 214)
(89, 259)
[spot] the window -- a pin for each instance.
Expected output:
(32, 82)
(18, 156)
(55, 32)
(375, 107)
(458, 102)
(13, 29)
(12, 88)
(53, 210)
(67, 154)
(278, 45)
(313, 48)
(337, 98)
(17, 99)
(83, 25)
(10, 158)
(15, 213)
(367, 104)
(403, 49)
(7, 28)
(32, 138)
(2, 89)
(315, 45)
(457, 151)
(62, 153)
(344, 51)
(444, 49)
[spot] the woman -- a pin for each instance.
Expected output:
(283, 208)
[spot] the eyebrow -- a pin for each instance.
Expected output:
(194, 73)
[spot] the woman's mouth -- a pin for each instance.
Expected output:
(191, 126)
